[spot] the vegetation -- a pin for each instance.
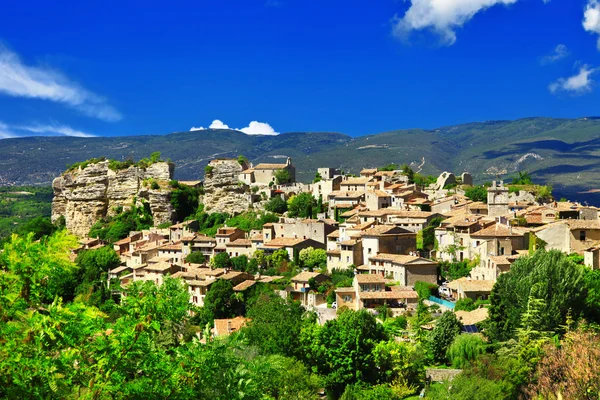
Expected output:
(283, 176)
(476, 193)
(184, 199)
(302, 205)
(452, 270)
(195, 257)
(25, 209)
(116, 165)
(117, 227)
(276, 205)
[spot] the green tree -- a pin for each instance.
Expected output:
(476, 193)
(464, 304)
(93, 273)
(446, 329)
(279, 258)
(302, 205)
(283, 176)
(195, 257)
(465, 349)
(240, 263)
(220, 301)
(275, 325)
(155, 157)
(221, 260)
(522, 178)
(546, 275)
(313, 258)
(342, 350)
(408, 172)
(276, 205)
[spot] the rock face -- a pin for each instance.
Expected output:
(83, 196)
(223, 190)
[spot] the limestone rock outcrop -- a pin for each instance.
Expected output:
(85, 195)
(223, 190)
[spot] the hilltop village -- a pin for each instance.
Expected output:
(380, 228)
(247, 284)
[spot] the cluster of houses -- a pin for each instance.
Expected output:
(372, 226)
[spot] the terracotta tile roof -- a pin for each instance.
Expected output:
(368, 171)
(123, 241)
(334, 234)
(182, 224)
(382, 295)
(501, 260)
(248, 171)
(305, 276)
(283, 242)
(225, 327)
(397, 258)
(395, 212)
(355, 181)
(348, 243)
(472, 317)
(386, 173)
(240, 243)
(582, 224)
(380, 193)
(231, 275)
(380, 230)
(470, 285)
(174, 246)
(244, 285)
(337, 194)
(362, 227)
(498, 230)
(269, 166)
(344, 290)
(369, 278)
(335, 252)
(267, 279)
(343, 205)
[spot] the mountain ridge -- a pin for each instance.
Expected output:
(561, 151)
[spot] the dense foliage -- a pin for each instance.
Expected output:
(19, 205)
(117, 227)
(476, 193)
(184, 199)
(302, 205)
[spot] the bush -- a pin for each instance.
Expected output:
(425, 289)
(208, 170)
(276, 205)
(195, 257)
(465, 304)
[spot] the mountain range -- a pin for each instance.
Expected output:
(560, 152)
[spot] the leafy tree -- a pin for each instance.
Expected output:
(465, 349)
(476, 193)
(275, 325)
(522, 178)
(389, 167)
(184, 200)
(464, 304)
(570, 370)
(118, 227)
(195, 257)
(426, 236)
(457, 269)
(251, 221)
(400, 361)
(93, 273)
(313, 258)
(283, 176)
(279, 258)
(240, 263)
(443, 334)
(422, 180)
(39, 226)
(155, 157)
(546, 275)
(465, 387)
(407, 171)
(342, 349)
(260, 257)
(302, 205)
(276, 205)
(220, 300)
(221, 260)
(242, 160)
(318, 178)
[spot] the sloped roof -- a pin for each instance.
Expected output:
(305, 276)
(269, 166)
(471, 285)
(472, 317)
(370, 278)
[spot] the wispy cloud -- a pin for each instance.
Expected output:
(443, 17)
(38, 82)
(63, 130)
(579, 83)
(561, 51)
(253, 128)
(5, 131)
(591, 18)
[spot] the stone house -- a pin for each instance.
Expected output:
(313, 229)
(325, 186)
(198, 242)
(387, 239)
(263, 174)
(591, 257)
(347, 253)
(570, 236)
(240, 247)
(404, 269)
(497, 196)
(178, 231)
(291, 245)
(225, 327)
(299, 289)
(377, 199)
(473, 289)
(172, 251)
(351, 184)
(340, 201)
(454, 236)
(226, 235)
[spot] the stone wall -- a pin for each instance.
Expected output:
(83, 196)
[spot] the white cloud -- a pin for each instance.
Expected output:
(442, 16)
(63, 130)
(19, 80)
(560, 52)
(591, 18)
(259, 128)
(253, 128)
(5, 131)
(577, 84)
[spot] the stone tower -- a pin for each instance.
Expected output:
(497, 196)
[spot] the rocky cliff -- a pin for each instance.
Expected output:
(223, 191)
(85, 195)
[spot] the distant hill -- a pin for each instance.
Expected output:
(562, 152)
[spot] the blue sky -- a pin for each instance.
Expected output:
(127, 68)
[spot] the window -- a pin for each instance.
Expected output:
(376, 287)
(347, 298)
(369, 250)
(347, 259)
(364, 288)
(582, 235)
